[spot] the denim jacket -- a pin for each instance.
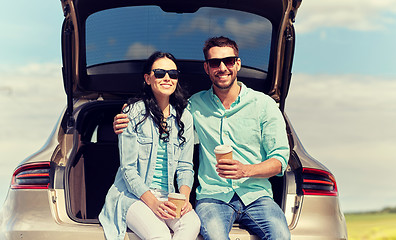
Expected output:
(138, 155)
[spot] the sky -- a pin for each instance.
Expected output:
(341, 100)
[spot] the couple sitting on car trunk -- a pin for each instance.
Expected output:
(156, 144)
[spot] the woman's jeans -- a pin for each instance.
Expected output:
(263, 218)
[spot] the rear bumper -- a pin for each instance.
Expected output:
(27, 214)
(320, 218)
(41, 214)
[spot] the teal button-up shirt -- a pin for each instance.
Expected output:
(256, 130)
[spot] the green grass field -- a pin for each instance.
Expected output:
(371, 226)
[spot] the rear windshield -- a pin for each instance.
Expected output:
(134, 33)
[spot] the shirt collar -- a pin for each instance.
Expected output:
(172, 110)
(242, 93)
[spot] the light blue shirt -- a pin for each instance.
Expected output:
(256, 130)
(138, 156)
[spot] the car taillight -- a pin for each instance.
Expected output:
(318, 182)
(31, 176)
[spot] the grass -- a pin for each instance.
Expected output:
(371, 226)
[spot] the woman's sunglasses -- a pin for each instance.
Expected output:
(228, 61)
(160, 73)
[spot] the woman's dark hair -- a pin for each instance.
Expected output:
(177, 100)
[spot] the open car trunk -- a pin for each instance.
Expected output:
(96, 160)
(104, 45)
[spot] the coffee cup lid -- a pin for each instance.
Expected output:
(221, 149)
(177, 196)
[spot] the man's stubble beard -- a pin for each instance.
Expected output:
(225, 87)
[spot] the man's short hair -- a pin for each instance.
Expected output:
(220, 42)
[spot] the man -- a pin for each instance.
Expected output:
(236, 190)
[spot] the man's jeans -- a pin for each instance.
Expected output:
(263, 218)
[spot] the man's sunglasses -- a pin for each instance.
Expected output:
(228, 61)
(160, 73)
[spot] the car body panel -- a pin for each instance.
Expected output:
(311, 221)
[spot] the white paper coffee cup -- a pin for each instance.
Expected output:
(223, 151)
(178, 199)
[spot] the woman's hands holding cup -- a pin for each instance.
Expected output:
(164, 209)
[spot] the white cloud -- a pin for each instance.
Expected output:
(30, 87)
(359, 15)
(199, 23)
(347, 122)
(252, 31)
(244, 33)
(139, 51)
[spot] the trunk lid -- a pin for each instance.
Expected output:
(105, 43)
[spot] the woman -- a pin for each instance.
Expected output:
(157, 143)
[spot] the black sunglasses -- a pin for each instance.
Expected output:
(228, 61)
(160, 73)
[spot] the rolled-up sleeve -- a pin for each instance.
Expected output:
(275, 141)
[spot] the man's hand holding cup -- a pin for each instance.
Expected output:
(226, 166)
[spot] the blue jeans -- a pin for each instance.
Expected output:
(263, 218)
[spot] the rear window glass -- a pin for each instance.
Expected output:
(134, 33)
